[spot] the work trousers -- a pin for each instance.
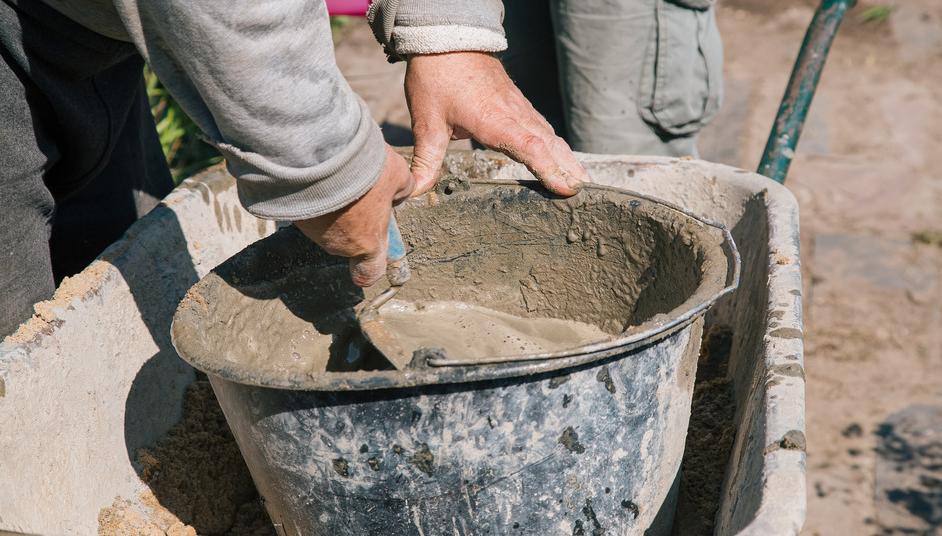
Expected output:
(618, 76)
(79, 155)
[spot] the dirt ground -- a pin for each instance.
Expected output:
(867, 176)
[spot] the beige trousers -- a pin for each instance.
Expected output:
(618, 76)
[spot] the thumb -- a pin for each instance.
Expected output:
(431, 143)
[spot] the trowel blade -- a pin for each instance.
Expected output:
(375, 331)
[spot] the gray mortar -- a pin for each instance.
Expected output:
(503, 247)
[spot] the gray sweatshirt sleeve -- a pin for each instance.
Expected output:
(406, 27)
(261, 82)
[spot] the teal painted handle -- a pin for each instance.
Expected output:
(397, 266)
(780, 148)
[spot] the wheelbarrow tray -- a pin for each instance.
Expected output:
(94, 374)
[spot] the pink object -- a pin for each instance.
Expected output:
(356, 8)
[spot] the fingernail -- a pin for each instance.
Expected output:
(571, 181)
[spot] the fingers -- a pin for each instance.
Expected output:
(469, 93)
(546, 155)
(431, 143)
(568, 163)
(516, 129)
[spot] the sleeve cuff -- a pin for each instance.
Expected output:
(275, 192)
(408, 40)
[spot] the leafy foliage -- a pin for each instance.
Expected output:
(877, 13)
(179, 137)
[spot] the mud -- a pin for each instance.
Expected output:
(284, 312)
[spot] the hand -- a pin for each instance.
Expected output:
(358, 231)
(468, 94)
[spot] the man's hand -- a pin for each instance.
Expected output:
(358, 231)
(468, 94)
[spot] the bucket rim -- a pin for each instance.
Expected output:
(453, 371)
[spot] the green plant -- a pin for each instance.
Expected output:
(185, 152)
(928, 236)
(337, 24)
(877, 13)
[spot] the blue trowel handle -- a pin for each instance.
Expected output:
(397, 265)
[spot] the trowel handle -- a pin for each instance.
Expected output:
(397, 265)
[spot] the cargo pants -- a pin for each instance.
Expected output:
(80, 160)
(618, 76)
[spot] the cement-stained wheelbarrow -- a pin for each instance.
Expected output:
(83, 334)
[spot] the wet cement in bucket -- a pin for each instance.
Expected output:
(567, 271)
(467, 331)
(281, 312)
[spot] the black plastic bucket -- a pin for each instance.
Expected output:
(582, 441)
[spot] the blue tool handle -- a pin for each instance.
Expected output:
(397, 266)
(397, 249)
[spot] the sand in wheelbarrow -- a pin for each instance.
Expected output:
(198, 481)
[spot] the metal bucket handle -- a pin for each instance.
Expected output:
(622, 341)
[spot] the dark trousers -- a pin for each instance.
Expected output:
(79, 156)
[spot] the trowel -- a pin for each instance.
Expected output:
(397, 273)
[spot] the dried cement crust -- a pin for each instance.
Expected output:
(282, 310)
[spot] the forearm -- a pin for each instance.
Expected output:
(263, 86)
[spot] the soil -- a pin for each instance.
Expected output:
(710, 436)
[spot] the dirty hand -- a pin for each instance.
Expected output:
(468, 94)
(358, 231)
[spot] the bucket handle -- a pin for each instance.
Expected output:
(624, 341)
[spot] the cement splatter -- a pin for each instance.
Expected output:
(556, 381)
(570, 440)
(605, 377)
(423, 459)
(374, 463)
(341, 467)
